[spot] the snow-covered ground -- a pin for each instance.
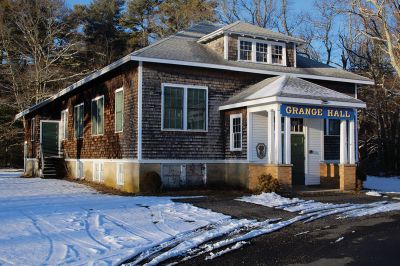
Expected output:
(54, 221)
(383, 184)
(319, 210)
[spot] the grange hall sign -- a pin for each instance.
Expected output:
(317, 112)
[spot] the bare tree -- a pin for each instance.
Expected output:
(381, 22)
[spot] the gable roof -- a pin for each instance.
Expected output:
(184, 49)
(247, 29)
(286, 86)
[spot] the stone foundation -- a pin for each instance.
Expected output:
(347, 173)
(281, 172)
(329, 175)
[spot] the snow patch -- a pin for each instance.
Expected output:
(222, 252)
(269, 199)
(373, 193)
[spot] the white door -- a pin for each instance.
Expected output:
(314, 129)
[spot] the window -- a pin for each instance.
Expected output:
(120, 174)
(196, 113)
(98, 171)
(236, 132)
(32, 129)
(78, 120)
(277, 54)
(245, 50)
(184, 108)
(98, 115)
(64, 125)
(119, 110)
(262, 52)
(331, 139)
(296, 125)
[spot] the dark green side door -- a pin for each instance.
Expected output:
(50, 138)
(297, 149)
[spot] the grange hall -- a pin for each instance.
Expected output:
(210, 106)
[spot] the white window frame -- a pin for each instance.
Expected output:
(231, 138)
(64, 125)
(98, 173)
(185, 109)
(115, 110)
(120, 174)
(91, 115)
(33, 127)
(254, 51)
(83, 122)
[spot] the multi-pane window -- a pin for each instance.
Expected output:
(78, 120)
(262, 52)
(277, 54)
(331, 139)
(98, 115)
(196, 113)
(173, 108)
(32, 129)
(236, 132)
(119, 110)
(184, 108)
(296, 125)
(64, 124)
(245, 50)
(98, 171)
(120, 174)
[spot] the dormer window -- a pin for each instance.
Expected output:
(260, 51)
(245, 50)
(277, 54)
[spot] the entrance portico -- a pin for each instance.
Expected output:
(288, 117)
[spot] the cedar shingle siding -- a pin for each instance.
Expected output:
(110, 145)
(221, 85)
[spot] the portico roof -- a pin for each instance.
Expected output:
(288, 88)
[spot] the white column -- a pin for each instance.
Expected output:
(278, 137)
(343, 142)
(352, 149)
(287, 141)
(356, 133)
(271, 143)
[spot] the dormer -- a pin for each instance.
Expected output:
(245, 42)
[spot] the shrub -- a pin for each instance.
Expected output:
(266, 183)
(153, 182)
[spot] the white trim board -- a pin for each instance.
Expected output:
(172, 161)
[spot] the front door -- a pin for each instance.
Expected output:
(49, 138)
(297, 158)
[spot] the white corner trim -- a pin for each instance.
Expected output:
(140, 87)
(226, 46)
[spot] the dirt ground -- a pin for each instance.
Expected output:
(370, 240)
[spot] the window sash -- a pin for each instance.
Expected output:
(64, 125)
(262, 52)
(196, 105)
(98, 116)
(184, 108)
(277, 54)
(78, 120)
(119, 110)
(236, 132)
(245, 50)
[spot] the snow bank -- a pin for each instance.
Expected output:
(384, 184)
(269, 199)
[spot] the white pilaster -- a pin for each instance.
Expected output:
(271, 143)
(287, 141)
(352, 150)
(343, 142)
(278, 137)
